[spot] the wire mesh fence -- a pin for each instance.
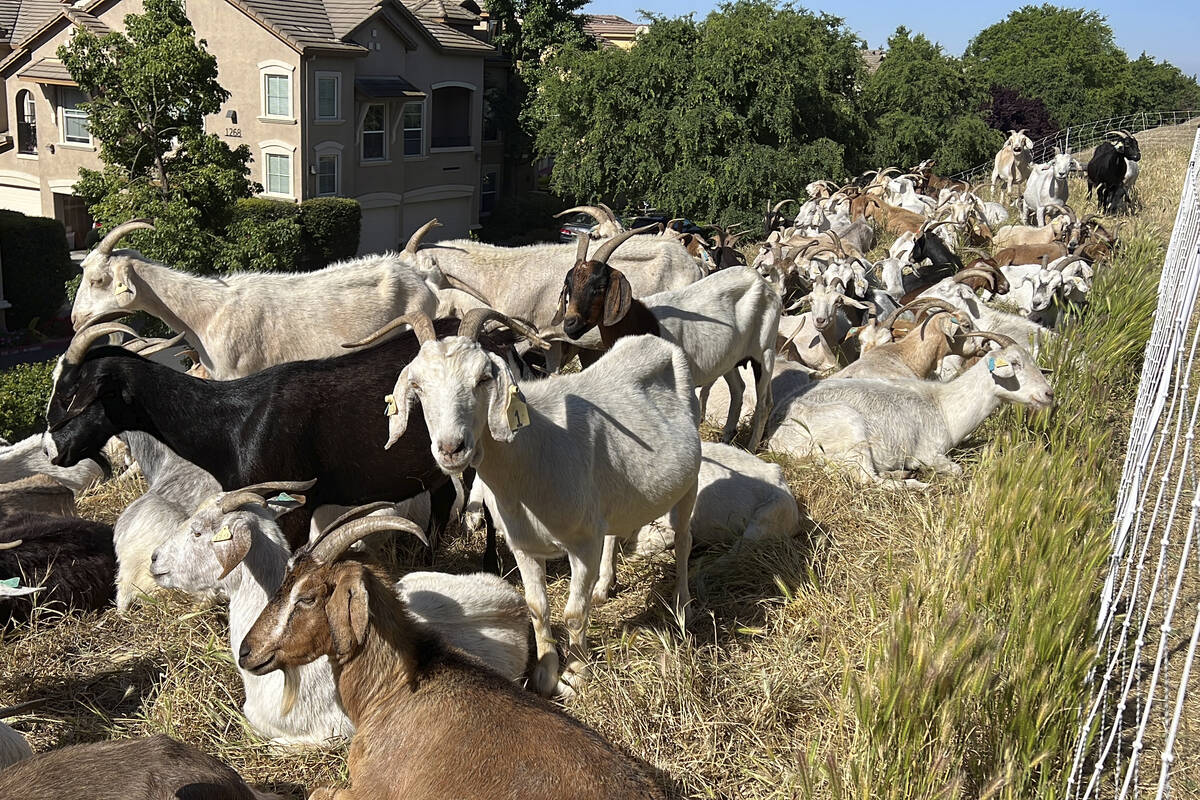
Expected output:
(1140, 733)
(1079, 138)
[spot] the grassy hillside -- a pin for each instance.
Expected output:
(925, 644)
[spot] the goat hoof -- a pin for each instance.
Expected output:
(600, 594)
(544, 679)
(573, 679)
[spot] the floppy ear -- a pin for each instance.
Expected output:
(231, 544)
(618, 298)
(1000, 366)
(498, 401)
(347, 612)
(399, 405)
(122, 286)
(563, 297)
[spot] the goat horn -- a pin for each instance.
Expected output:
(421, 324)
(335, 542)
(977, 273)
(780, 205)
(998, 338)
(9, 546)
(124, 229)
(1069, 260)
(595, 212)
(605, 251)
(609, 213)
(582, 247)
(1115, 133)
(354, 513)
(256, 494)
(157, 347)
(473, 321)
(912, 305)
(414, 241)
(87, 336)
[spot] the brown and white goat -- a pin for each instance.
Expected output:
(431, 722)
(916, 355)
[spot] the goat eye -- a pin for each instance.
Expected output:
(484, 378)
(307, 601)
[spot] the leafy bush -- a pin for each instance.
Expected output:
(36, 263)
(329, 230)
(263, 236)
(24, 393)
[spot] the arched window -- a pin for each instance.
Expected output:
(451, 126)
(26, 123)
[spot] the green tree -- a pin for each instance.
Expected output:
(1158, 86)
(919, 104)
(150, 88)
(1065, 57)
(707, 118)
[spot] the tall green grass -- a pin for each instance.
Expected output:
(974, 689)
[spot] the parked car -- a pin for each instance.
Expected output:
(579, 222)
(574, 224)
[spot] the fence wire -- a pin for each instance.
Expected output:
(1078, 138)
(1141, 729)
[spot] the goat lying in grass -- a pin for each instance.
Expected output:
(71, 558)
(233, 544)
(431, 723)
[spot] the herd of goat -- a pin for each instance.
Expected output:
(324, 412)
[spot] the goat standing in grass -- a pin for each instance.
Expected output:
(432, 723)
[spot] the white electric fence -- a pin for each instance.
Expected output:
(1141, 728)
(1078, 138)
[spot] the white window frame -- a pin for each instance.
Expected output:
(276, 69)
(277, 148)
(325, 150)
(403, 130)
(337, 96)
(62, 121)
(362, 132)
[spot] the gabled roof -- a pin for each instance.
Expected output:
(48, 70)
(86, 20)
(442, 11)
(29, 15)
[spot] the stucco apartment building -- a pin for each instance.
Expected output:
(378, 100)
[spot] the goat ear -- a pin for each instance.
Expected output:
(231, 544)
(123, 288)
(999, 366)
(503, 400)
(618, 298)
(399, 405)
(347, 612)
(563, 297)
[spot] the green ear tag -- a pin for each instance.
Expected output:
(392, 409)
(11, 583)
(283, 497)
(517, 411)
(223, 535)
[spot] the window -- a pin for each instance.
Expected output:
(414, 129)
(451, 117)
(487, 191)
(278, 92)
(26, 123)
(279, 173)
(327, 174)
(492, 101)
(75, 120)
(374, 136)
(328, 84)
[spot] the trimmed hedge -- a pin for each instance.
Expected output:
(37, 263)
(330, 228)
(24, 393)
(277, 236)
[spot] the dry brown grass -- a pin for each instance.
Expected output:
(761, 698)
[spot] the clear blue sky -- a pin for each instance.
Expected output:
(1167, 29)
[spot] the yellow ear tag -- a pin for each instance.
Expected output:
(223, 535)
(392, 409)
(517, 411)
(121, 288)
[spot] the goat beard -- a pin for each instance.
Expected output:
(291, 688)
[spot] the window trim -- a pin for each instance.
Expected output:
(362, 132)
(277, 148)
(323, 150)
(464, 148)
(62, 121)
(337, 96)
(26, 113)
(277, 69)
(403, 130)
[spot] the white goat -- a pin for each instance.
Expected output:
(881, 427)
(243, 323)
(234, 545)
(26, 459)
(985, 318)
(1047, 187)
(1014, 162)
(583, 458)
(788, 378)
(13, 747)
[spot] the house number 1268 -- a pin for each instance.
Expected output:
(236, 133)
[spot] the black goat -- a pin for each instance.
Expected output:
(928, 246)
(1107, 168)
(321, 419)
(72, 558)
(774, 219)
(155, 768)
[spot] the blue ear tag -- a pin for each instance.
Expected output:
(282, 497)
(11, 583)
(991, 364)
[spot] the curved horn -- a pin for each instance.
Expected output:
(256, 494)
(473, 321)
(336, 541)
(354, 513)
(977, 273)
(124, 229)
(414, 241)
(912, 305)
(998, 338)
(86, 337)
(582, 247)
(421, 324)
(1069, 260)
(595, 212)
(609, 213)
(780, 205)
(605, 251)
(837, 240)
(167, 344)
